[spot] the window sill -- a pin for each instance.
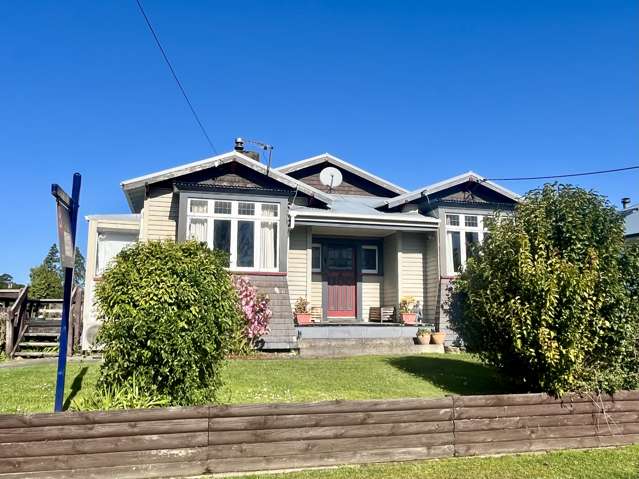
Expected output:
(257, 273)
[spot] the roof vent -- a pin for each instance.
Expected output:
(625, 202)
(239, 144)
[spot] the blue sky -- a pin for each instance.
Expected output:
(413, 91)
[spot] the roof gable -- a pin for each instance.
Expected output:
(195, 170)
(454, 189)
(362, 181)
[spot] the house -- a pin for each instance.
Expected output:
(631, 219)
(320, 228)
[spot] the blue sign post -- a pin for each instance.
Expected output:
(67, 210)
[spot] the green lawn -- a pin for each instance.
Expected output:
(621, 463)
(31, 388)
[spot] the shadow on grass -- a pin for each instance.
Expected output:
(76, 385)
(457, 376)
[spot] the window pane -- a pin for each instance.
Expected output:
(245, 243)
(246, 209)
(317, 258)
(452, 220)
(340, 258)
(222, 236)
(456, 249)
(370, 259)
(197, 229)
(472, 241)
(199, 206)
(268, 244)
(269, 210)
(223, 207)
(470, 221)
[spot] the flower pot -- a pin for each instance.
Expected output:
(303, 318)
(438, 338)
(409, 318)
(423, 339)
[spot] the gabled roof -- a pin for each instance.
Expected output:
(327, 157)
(133, 186)
(445, 184)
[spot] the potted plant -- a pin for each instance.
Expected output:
(423, 335)
(438, 337)
(406, 310)
(302, 312)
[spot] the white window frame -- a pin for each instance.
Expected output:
(376, 270)
(235, 217)
(462, 229)
(316, 270)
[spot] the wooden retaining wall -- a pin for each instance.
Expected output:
(191, 441)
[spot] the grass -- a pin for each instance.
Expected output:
(31, 388)
(620, 463)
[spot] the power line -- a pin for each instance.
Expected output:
(569, 175)
(179, 84)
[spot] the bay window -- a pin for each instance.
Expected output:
(246, 230)
(464, 232)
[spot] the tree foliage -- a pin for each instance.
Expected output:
(78, 268)
(46, 279)
(551, 298)
(170, 314)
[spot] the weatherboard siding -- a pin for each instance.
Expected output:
(412, 266)
(298, 252)
(432, 279)
(160, 216)
(371, 293)
(389, 289)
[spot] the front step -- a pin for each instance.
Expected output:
(36, 354)
(52, 334)
(38, 344)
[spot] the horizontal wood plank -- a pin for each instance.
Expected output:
(510, 447)
(107, 444)
(84, 461)
(328, 459)
(101, 417)
(544, 409)
(505, 423)
(330, 419)
(85, 431)
(523, 434)
(288, 448)
(337, 406)
(331, 432)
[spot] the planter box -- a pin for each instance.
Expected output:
(409, 318)
(423, 339)
(303, 318)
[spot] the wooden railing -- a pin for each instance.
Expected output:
(17, 321)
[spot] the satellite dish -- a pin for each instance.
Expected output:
(331, 177)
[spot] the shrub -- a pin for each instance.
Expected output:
(170, 314)
(255, 309)
(131, 395)
(547, 300)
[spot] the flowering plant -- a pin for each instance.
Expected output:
(255, 308)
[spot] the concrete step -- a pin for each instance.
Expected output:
(368, 346)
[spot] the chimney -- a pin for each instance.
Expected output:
(625, 202)
(239, 147)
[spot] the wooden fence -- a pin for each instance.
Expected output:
(191, 441)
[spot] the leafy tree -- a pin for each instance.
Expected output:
(551, 297)
(46, 280)
(79, 268)
(171, 313)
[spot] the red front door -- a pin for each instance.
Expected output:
(342, 283)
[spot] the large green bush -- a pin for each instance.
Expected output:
(170, 312)
(551, 297)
